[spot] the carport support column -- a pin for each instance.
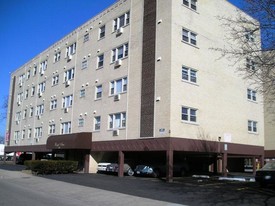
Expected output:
(224, 164)
(169, 165)
(33, 155)
(120, 164)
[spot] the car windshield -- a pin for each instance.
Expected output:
(140, 167)
(269, 165)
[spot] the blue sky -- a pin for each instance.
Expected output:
(27, 27)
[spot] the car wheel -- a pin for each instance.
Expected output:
(130, 172)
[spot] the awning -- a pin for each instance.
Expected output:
(70, 141)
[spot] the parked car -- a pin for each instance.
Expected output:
(113, 167)
(102, 166)
(266, 175)
(23, 157)
(181, 169)
(146, 170)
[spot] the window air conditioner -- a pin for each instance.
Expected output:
(69, 58)
(39, 94)
(17, 122)
(15, 141)
(20, 84)
(119, 31)
(118, 63)
(38, 116)
(19, 103)
(42, 72)
(117, 97)
(67, 83)
(115, 132)
(66, 110)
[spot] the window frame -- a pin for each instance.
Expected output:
(102, 32)
(66, 128)
(116, 54)
(53, 104)
(97, 123)
(113, 121)
(190, 116)
(100, 61)
(118, 23)
(52, 128)
(113, 86)
(98, 92)
(252, 126)
(189, 37)
(191, 4)
(188, 73)
(69, 74)
(67, 101)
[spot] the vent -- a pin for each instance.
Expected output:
(117, 97)
(115, 132)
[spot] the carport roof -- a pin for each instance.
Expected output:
(70, 141)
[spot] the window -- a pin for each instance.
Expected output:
(31, 112)
(252, 126)
(84, 64)
(38, 132)
(251, 95)
(16, 135)
(23, 134)
(52, 129)
(189, 37)
(121, 21)
(69, 74)
(21, 79)
(250, 64)
(97, 121)
(25, 114)
(34, 71)
(188, 74)
(55, 80)
(53, 104)
(120, 52)
(18, 116)
(191, 4)
(39, 109)
(102, 32)
(29, 133)
(82, 93)
(100, 61)
(98, 92)
(70, 50)
(117, 120)
(41, 87)
(57, 57)
(188, 114)
(43, 66)
(249, 35)
(28, 74)
(26, 94)
(81, 122)
(66, 128)
(19, 98)
(118, 86)
(33, 91)
(67, 101)
(86, 38)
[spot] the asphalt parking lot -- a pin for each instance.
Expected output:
(183, 191)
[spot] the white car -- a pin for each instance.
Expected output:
(102, 166)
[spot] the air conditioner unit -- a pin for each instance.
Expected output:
(66, 110)
(69, 58)
(38, 116)
(119, 31)
(17, 122)
(36, 139)
(42, 72)
(39, 94)
(118, 63)
(20, 84)
(15, 141)
(67, 83)
(117, 97)
(115, 132)
(19, 103)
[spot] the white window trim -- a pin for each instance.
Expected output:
(97, 124)
(124, 81)
(189, 36)
(125, 52)
(67, 101)
(252, 127)
(112, 119)
(189, 115)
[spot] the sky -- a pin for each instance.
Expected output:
(28, 27)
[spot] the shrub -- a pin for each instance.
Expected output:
(51, 166)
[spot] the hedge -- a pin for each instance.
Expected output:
(51, 166)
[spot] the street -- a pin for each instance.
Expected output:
(20, 188)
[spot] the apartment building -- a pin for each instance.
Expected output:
(137, 82)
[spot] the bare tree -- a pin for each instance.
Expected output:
(4, 108)
(254, 56)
